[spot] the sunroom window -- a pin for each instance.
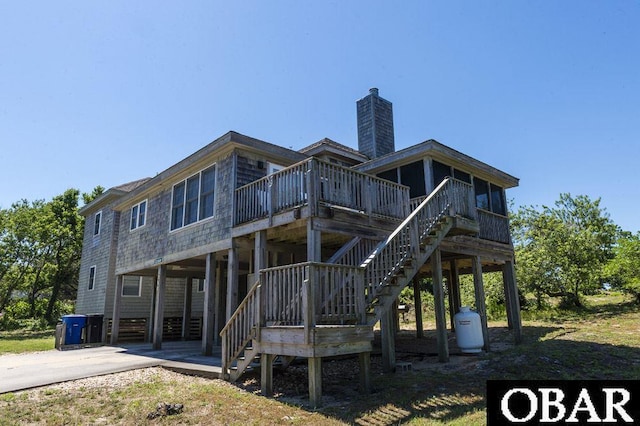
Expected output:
(482, 193)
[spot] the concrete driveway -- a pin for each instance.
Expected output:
(24, 371)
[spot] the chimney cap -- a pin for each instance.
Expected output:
(373, 91)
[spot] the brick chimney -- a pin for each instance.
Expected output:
(375, 125)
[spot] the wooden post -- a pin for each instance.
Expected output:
(232, 282)
(417, 301)
(438, 295)
(158, 320)
(266, 374)
(313, 191)
(428, 176)
(219, 302)
(208, 311)
(115, 318)
(308, 304)
(507, 297)
(260, 255)
(452, 311)
(186, 309)
(365, 372)
(509, 275)
(478, 285)
(388, 342)
(315, 381)
(314, 243)
(454, 291)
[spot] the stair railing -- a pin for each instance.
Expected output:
(450, 197)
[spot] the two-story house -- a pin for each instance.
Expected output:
(274, 252)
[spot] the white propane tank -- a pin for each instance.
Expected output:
(468, 330)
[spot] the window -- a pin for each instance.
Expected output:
(391, 175)
(193, 199)
(96, 223)
(497, 200)
(200, 285)
(440, 172)
(92, 278)
(412, 175)
(177, 209)
(482, 193)
(139, 215)
(131, 286)
(460, 175)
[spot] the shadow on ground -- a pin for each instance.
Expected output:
(453, 390)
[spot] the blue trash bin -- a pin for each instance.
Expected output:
(74, 326)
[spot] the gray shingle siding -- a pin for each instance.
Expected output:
(249, 170)
(155, 240)
(99, 251)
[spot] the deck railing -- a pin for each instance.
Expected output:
(314, 182)
(304, 294)
(494, 227)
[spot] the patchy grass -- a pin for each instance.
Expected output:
(26, 341)
(599, 341)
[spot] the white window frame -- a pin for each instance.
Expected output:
(92, 278)
(136, 225)
(200, 283)
(97, 220)
(199, 199)
(139, 288)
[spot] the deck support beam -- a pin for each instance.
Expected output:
(365, 372)
(388, 341)
(315, 381)
(208, 314)
(438, 295)
(158, 320)
(481, 306)
(260, 255)
(266, 374)
(115, 317)
(314, 243)
(232, 282)
(417, 301)
(454, 292)
(513, 302)
(186, 308)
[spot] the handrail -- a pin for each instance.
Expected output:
(404, 242)
(412, 216)
(245, 319)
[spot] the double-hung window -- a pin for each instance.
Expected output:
(193, 198)
(92, 278)
(97, 222)
(138, 215)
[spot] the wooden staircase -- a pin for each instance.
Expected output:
(319, 309)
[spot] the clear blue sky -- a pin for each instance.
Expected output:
(105, 92)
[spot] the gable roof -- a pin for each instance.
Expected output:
(329, 146)
(110, 195)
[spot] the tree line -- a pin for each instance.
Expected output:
(40, 250)
(572, 249)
